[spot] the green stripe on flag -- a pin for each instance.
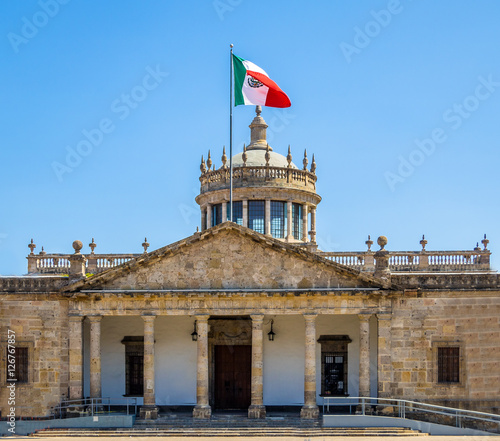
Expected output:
(239, 76)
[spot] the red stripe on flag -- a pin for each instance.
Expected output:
(275, 97)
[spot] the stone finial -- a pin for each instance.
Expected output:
(477, 247)
(203, 167)
(369, 243)
(485, 242)
(42, 253)
(267, 156)
(313, 166)
(305, 161)
(423, 242)
(77, 246)
(92, 246)
(382, 241)
(244, 156)
(258, 136)
(209, 161)
(289, 156)
(145, 245)
(31, 246)
(224, 157)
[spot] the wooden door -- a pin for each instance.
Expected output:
(232, 376)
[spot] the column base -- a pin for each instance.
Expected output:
(148, 413)
(256, 411)
(309, 412)
(202, 412)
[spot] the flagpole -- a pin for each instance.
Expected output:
(231, 136)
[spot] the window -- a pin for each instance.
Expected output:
(256, 211)
(297, 221)
(448, 364)
(278, 219)
(216, 214)
(238, 212)
(334, 364)
(20, 372)
(134, 366)
(334, 373)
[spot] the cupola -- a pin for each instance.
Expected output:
(271, 195)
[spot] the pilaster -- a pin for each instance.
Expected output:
(75, 357)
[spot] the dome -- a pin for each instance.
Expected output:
(256, 158)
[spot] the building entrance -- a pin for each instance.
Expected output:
(232, 376)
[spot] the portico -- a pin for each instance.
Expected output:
(230, 319)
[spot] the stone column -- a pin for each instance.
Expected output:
(224, 211)
(257, 408)
(364, 355)
(267, 217)
(312, 233)
(75, 357)
(209, 216)
(95, 356)
(304, 223)
(202, 408)
(289, 236)
(310, 409)
(244, 205)
(384, 359)
(149, 410)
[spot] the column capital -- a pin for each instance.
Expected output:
(202, 317)
(148, 318)
(257, 317)
(76, 318)
(94, 318)
(310, 316)
(384, 316)
(364, 317)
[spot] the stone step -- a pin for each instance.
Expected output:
(209, 431)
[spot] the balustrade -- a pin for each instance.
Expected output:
(220, 178)
(403, 261)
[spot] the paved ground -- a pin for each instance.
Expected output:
(274, 438)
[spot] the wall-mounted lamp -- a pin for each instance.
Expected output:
(271, 334)
(194, 334)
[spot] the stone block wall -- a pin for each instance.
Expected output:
(40, 323)
(422, 322)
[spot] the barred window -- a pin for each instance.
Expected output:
(256, 210)
(238, 212)
(216, 214)
(448, 364)
(20, 372)
(297, 221)
(278, 219)
(334, 373)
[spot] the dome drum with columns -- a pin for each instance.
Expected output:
(271, 194)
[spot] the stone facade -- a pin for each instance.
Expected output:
(394, 312)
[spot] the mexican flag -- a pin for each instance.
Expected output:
(252, 86)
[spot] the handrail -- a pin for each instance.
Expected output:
(407, 408)
(92, 406)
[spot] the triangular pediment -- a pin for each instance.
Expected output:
(229, 256)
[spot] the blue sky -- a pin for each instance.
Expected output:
(399, 101)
